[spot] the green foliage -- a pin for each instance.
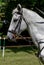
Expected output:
(12, 4)
(40, 4)
(25, 3)
(9, 7)
(0, 0)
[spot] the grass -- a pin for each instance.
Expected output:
(19, 56)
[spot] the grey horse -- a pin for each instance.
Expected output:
(33, 23)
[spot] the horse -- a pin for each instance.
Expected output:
(31, 21)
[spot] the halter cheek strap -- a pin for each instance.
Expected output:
(18, 24)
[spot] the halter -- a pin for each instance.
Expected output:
(19, 22)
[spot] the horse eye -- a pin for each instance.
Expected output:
(15, 20)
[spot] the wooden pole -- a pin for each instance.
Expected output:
(3, 48)
(0, 43)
